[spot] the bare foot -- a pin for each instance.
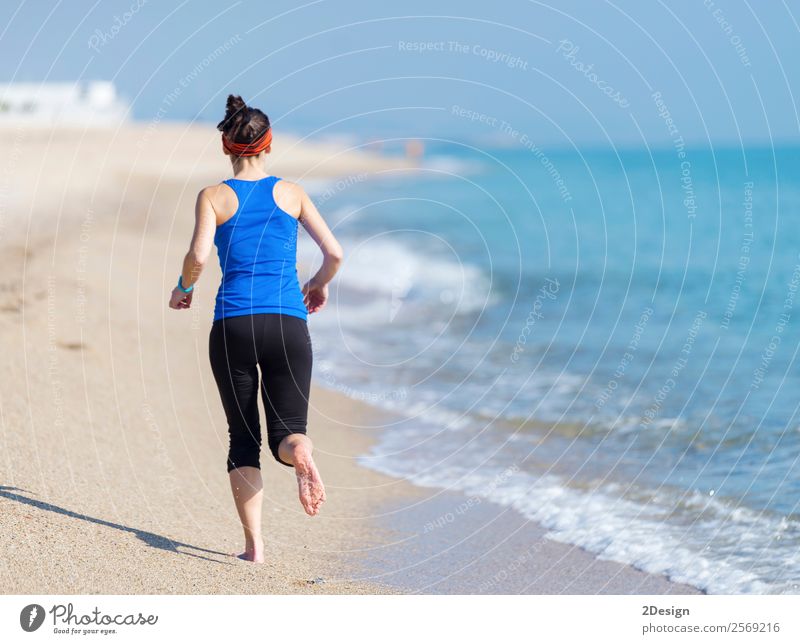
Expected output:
(309, 482)
(255, 555)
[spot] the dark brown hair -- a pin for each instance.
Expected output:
(242, 124)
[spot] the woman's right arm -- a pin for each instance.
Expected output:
(315, 291)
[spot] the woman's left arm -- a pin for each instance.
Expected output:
(205, 225)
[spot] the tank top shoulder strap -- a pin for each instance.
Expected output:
(234, 185)
(266, 186)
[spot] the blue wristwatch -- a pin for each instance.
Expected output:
(180, 285)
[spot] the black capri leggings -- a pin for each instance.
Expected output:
(281, 346)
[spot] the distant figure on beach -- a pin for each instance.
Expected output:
(414, 149)
(260, 312)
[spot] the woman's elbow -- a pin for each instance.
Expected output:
(198, 260)
(335, 254)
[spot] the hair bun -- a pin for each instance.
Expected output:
(235, 104)
(235, 112)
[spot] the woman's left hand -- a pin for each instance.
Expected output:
(315, 295)
(179, 299)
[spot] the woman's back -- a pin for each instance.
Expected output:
(257, 249)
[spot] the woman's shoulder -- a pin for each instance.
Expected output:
(289, 196)
(222, 198)
(215, 191)
(287, 186)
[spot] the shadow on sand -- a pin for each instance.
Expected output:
(151, 539)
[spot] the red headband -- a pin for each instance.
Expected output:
(248, 149)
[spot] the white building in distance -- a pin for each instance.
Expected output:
(69, 104)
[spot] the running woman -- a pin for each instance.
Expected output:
(260, 312)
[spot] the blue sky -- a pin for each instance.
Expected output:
(594, 73)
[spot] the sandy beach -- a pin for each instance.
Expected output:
(112, 436)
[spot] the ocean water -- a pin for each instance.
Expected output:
(605, 340)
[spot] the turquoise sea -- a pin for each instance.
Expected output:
(605, 340)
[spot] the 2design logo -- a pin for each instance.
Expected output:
(31, 617)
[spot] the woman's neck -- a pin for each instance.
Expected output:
(249, 168)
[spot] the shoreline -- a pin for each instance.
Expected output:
(448, 542)
(113, 439)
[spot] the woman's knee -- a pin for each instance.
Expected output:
(244, 448)
(276, 438)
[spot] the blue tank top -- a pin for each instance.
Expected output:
(257, 250)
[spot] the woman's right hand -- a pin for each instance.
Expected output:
(180, 299)
(315, 295)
